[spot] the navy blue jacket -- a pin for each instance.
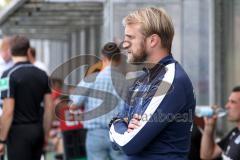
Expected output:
(164, 97)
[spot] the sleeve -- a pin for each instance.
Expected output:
(225, 141)
(48, 89)
(81, 92)
(158, 106)
(121, 126)
(8, 86)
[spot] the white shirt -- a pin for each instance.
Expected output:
(4, 65)
(41, 66)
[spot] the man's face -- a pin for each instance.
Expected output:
(5, 52)
(137, 51)
(233, 107)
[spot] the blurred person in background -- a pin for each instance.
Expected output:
(5, 55)
(98, 145)
(32, 59)
(229, 146)
(22, 128)
(194, 153)
(55, 133)
(5, 60)
(94, 68)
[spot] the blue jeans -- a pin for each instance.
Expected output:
(99, 146)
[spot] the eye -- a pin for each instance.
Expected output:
(127, 36)
(130, 37)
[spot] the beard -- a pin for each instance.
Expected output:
(138, 58)
(132, 58)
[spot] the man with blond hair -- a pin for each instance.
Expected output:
(157, 118)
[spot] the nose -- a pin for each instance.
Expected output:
(227, 106)
(126, 44)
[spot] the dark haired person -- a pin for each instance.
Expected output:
(21, 122)
(32, 59)
(229, 146)
(98, 91)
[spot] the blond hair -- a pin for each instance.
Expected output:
(153, 21)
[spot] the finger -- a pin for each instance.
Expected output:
(132, 126)
(205, 119)
(215, 106)
(137, 116)
(214, 117)
(129, 130)
(135, 121)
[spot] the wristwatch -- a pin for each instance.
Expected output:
(114, 120)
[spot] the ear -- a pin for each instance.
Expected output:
(155, 40)
(28, 53)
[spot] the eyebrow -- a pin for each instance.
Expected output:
(129, 36)
(232, 100)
